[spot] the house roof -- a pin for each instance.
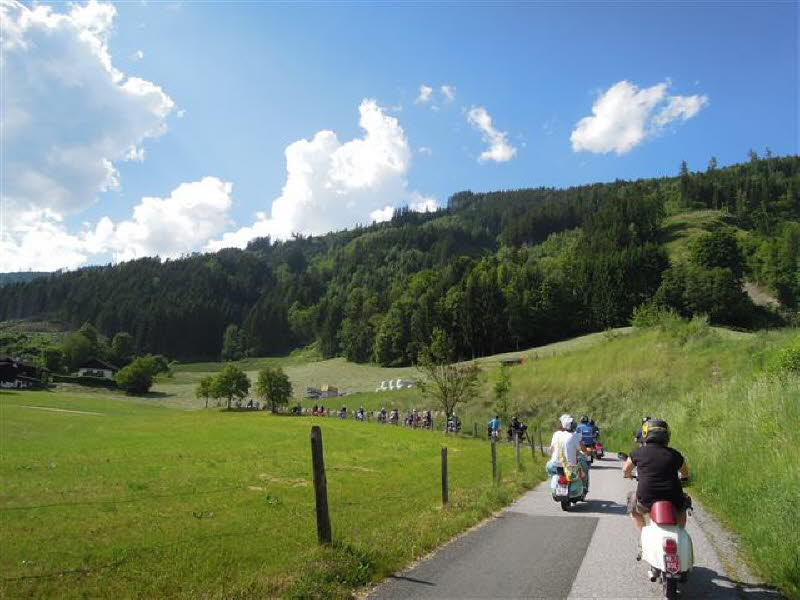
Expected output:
(96, 363)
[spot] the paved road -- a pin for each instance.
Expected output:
(535, 550)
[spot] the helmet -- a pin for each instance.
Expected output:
(645, 420)
(567, 422)
(655, 431)
(584, 419)
(591, 421)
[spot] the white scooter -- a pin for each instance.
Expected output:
(667, 548)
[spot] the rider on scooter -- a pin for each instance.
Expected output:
(569, 441)
(658, 469)
(586, 431)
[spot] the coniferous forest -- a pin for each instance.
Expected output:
(492, 272)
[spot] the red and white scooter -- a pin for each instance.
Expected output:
(667, 548)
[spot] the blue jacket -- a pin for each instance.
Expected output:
(586, 432)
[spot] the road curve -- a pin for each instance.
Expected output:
(535, 550)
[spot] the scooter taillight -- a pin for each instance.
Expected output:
(670, 546)
(562, 480)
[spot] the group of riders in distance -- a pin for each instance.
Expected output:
(658, 507)
(413, 418)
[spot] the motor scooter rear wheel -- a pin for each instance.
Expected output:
(670, 589)
(565, 505)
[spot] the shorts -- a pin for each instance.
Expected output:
(634, 506)
(637, 508)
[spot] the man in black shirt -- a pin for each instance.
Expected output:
(658, 467)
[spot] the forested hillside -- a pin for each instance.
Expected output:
(493, 272)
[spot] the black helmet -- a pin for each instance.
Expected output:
(645, 420)
(584, 419)
(655, 431)
(591, 421)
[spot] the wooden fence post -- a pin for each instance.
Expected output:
(320, 487)
(541, 445)
(444, 476)
(494, 460)
(474, 429)
(516, 451)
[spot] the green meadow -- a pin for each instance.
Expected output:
(114, 498)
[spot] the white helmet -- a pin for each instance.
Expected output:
(567, 421)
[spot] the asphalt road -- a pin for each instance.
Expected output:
(535, 550)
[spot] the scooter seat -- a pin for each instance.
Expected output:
(663, 513)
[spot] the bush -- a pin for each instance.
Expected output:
(651, 314)
(137, 377)
(787, 360)
(87, 381)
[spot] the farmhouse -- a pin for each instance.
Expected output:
(97, 368)
(18, 373)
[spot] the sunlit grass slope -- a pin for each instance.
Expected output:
(105, 498)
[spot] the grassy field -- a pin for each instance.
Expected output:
(111, 498)
(358, 381)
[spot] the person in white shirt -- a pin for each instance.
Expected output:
(567, 449)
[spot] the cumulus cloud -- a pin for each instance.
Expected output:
(138, 55)
(449, 92)
(67, 113)
(332, 185)
(168, 227)
(425, 92)
(500, 149)
(625, 115)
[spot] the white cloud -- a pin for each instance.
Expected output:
(625, 115)
(679, 107)
(381, 214)
(138, 55)
(425, 92)
(420, 203)
(500, 149)
(39, 242)
(449, 92)
(168, 227)
(330, 185)
(425, 150)
(67, 113)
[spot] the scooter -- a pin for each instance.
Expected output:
(567, 488)
(667, 548)
(599, 452)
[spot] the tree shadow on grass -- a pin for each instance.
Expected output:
(156, 395)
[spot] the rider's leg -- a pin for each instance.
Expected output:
(585, 468)
(635, 512)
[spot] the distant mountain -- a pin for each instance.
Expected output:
(21, 277)
(491, 272)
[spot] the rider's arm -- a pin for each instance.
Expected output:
(627, 468)
(584, 449)
(684, 471)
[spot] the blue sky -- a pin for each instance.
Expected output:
(241, 82)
